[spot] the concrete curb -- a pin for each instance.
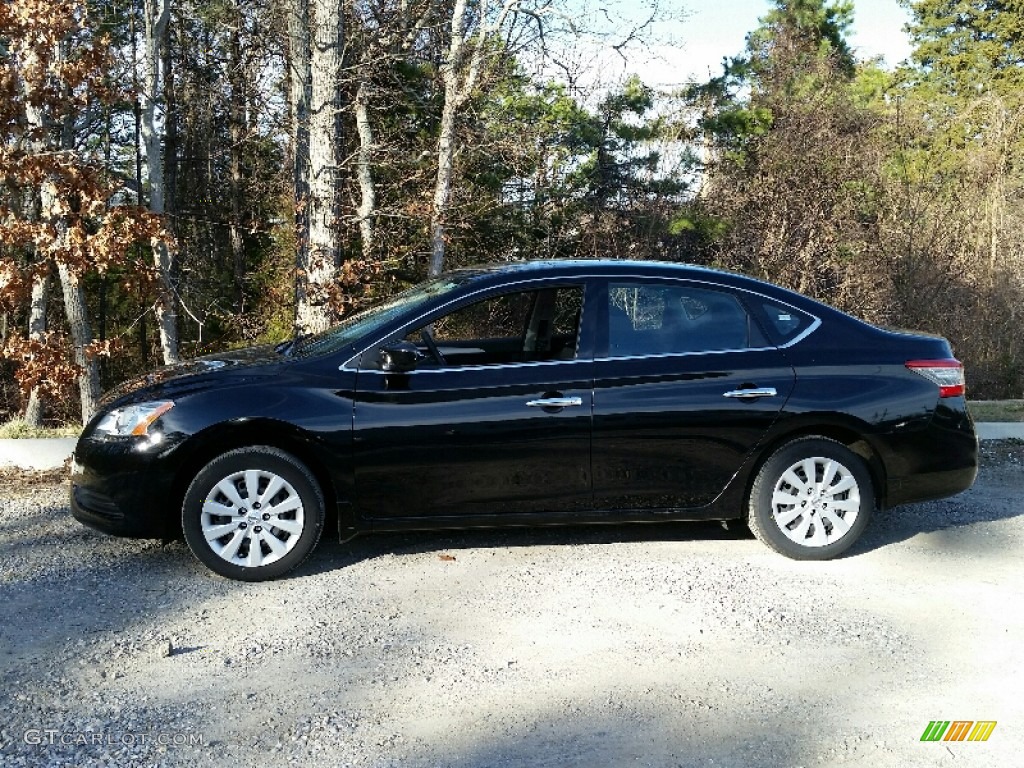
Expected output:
(49, 453)
(36, 453)
(1000, 430)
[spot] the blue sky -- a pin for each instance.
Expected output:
(714, 29)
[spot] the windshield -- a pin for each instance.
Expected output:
(369, 321)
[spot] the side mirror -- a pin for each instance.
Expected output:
(400, 357)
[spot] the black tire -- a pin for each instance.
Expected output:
(807, 528)
(257, 543)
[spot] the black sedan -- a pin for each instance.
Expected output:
(536, 393)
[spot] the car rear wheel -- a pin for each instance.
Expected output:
(253, 513)
(811, 500)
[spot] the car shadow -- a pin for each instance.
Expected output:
(331, 554)
(991, 499)
(948, 524)
(952, 523)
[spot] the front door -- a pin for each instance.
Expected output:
(495, 420)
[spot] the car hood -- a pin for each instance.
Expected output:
(175, 379)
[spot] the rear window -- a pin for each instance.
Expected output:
(784, 322)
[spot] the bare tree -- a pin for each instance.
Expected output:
(316, 36)
(157, 16)
(467, 54)
(236, 123)
(390, 43)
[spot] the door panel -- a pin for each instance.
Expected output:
(464, 441)
(665, 435)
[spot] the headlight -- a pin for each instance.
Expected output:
(133, 419)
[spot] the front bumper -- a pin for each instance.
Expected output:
(124, 488)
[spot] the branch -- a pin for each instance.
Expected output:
(484, 32)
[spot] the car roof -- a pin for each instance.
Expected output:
(498, 272)
(573, 266)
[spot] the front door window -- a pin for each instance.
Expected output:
(526, 326)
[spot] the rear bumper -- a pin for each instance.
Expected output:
(938, 461)
(934, 485)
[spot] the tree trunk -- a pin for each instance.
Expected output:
(36, 328)
(315, 277)
(299, 95)
(75, 308)
(392, 44)
(158, 14)
(40, 283)
(460, 72)
(74, 303)
(443, 185)
(170, 164)
(368, 195)
(81, 337)
(53, 213)
(236, 121)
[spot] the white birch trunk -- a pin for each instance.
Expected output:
(315, 279)
(158, 13)
(442, 185)
(451, 74)
(36, 328)
(460, 73)
(299, 95)
(368, 194)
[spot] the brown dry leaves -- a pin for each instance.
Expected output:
(56, 204)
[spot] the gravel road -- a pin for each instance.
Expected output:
(671, 645)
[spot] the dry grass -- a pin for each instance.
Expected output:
(18, 429)
(997, 410)
(14, 478)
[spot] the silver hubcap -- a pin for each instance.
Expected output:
(816, 501)
(252, 518)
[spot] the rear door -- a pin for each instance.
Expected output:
(686, 385)
(495, 422)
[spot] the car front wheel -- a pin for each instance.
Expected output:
(253, 513)
(811, 500)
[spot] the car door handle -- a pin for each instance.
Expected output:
(555, 402)
(752, 392)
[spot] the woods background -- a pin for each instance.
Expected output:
(181, 176)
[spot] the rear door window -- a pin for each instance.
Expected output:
(670, 318)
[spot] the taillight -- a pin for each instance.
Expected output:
(948, 374)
